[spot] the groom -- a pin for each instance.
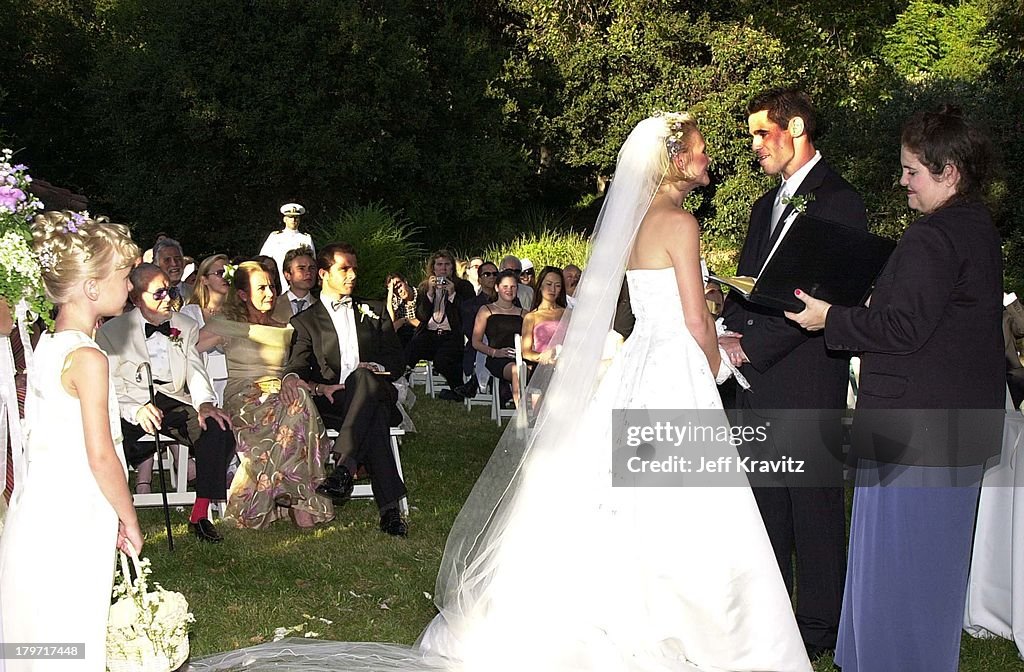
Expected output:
(346, 353)
(185, 403)
(790, 369)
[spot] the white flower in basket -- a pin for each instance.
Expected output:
(147, 631)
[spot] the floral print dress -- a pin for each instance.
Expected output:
(281, 447)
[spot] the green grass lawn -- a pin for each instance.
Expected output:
(370, 587)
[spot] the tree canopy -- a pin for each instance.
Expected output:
(201, 118)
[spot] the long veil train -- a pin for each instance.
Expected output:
(501, 512)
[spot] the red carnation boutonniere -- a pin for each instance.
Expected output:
(175, 337)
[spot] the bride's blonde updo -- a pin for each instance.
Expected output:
(72, 247)
(679, 129)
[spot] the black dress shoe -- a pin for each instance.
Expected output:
(338, 486)
(391, 522)
(450, 395)
(205, 531)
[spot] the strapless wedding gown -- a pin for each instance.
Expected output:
(591, 577)
(584, 576)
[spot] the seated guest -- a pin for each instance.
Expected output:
(572, 274)
(472, 274)
(1013, 333)
(524, 293)
(487, 275)
(147, 256)
(269, 264)
(439, 310)
(185, 405)
(168, 256)
(206, 301)
(501, 322)
(345, 352)
(401, 303)
(300, 273)
(282, 444)
(541, 323)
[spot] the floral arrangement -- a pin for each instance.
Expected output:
(798, 202)
(365, 311)
(229, 273)
(147, 631)
(20, 270)
(679, 127)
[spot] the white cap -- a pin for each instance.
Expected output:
(1009, 298)
(292, 210)
(526, 263)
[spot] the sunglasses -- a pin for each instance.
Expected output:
(219, 274)
(163, 293)
(488, 274)
(526, 272)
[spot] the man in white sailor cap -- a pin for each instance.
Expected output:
(279, 242)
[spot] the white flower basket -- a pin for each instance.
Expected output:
(147, 631)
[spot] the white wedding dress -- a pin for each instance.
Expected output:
(591, 577)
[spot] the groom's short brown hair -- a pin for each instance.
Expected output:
(784, 104)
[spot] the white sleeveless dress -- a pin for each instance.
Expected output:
(591, 577)
(58, 544)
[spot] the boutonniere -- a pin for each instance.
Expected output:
(175, 338)
(798, 202)
(365, 311)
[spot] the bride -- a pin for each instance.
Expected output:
(549, 567)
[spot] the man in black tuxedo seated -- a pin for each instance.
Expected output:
(439, 337)
(185, 403)
(346, 353)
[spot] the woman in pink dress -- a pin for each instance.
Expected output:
(541, 323)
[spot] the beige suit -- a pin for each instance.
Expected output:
(123, 339)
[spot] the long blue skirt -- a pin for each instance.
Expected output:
(906, 579)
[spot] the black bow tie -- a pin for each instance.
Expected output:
(164, 329)
(343, 301)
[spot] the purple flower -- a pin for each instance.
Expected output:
(10, 197)
(21, 167)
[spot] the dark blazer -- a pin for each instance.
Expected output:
(932, 339)
(789, 367)
(453, 310)
(316, 355)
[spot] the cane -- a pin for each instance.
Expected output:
(159, 452)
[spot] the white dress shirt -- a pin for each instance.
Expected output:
(159, 358)
(344, 319)
(309, 299)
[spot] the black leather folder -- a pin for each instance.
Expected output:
(829, 261)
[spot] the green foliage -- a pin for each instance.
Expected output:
(934, 40)
(384, 242)
(547, 247)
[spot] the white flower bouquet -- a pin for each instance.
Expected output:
(147, 631)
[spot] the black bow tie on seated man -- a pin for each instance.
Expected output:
(164, 328)
(343, 301)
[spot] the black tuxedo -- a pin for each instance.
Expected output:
(791, 369)
(443, 348)
(366, 409)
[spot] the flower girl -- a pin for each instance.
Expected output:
(73, 505)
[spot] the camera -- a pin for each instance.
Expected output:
(442, 281)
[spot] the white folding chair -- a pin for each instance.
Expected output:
(365, 490)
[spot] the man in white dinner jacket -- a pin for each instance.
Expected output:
(185, 403)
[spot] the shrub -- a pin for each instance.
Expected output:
(546, 247)
(383, 239)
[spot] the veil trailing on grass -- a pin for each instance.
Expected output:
(559, 396)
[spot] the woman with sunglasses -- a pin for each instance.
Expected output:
(282, 447)
(207, 300)
(487, 276)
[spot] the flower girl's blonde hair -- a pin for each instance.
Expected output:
(73, 247)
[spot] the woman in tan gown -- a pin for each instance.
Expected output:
(281, 446)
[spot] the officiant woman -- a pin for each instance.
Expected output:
(931, 341)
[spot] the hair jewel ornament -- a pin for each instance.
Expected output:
(679, 126)
(47, 257)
